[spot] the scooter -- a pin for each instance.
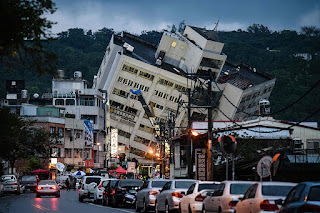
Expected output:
(130, 198)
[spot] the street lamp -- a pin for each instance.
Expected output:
(151, 152)
(98, 144)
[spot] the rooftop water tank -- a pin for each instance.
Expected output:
(60, 73)
(24, 94)
(77, 75)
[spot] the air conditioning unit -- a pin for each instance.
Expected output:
(158, 62)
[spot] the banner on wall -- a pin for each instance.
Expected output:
(114, 142)
(88, 133)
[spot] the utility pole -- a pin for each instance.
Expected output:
(209, 145)
(189, 159)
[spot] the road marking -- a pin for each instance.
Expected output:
(111, 208)
(40, 207)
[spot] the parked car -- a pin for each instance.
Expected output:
(99, 189)
(226, 196)
(197, 192)
(262, 196)
(47, 187)
(146, 196)
(29, 182)
(10, 184)
(124, 192)
(87, 187)
(305, 197)
(108, 192)
(169, 197)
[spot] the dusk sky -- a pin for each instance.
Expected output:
(137, 15)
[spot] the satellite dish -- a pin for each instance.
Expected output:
(60, 166)
(264, 166)
(36, 95)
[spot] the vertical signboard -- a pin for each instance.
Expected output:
(114, 142)
(201, 164)
(88, 133)
(131, 167)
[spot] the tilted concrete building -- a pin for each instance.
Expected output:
(161, 73)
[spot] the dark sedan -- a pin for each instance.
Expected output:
(122, 190)
(305, 197)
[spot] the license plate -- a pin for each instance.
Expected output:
(91, 195)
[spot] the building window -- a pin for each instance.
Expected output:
(180, 88)
(52, 130)
(120, 93)
(146, 75)
(211, 63)
(165, 82)
(129, 69)
(60, 132)
(87, 101)
(70, 102)
(173, 44)
(116, 104)
(59, 102)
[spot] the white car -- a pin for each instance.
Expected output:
(87, 187)
(146, 196)
(10, 184)
(99, 189)
(197, 192)
(225, 196)
(171, 193)
(261, 197)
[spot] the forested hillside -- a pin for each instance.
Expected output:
(271, 52)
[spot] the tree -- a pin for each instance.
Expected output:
(258, 28)
(23, 32)
(18, 139)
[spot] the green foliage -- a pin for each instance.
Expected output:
(19, 140)
(25, 21)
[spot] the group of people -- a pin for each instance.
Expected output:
(68, 184)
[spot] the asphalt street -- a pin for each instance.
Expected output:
(68, 202)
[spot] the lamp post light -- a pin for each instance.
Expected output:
(98, 144)
(151, 152)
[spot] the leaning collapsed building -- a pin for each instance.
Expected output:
(162, 73)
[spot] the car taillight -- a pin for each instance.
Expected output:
(267, 206)
(233, 203)
(309, 208)
(154, 193)
(200, 198)
(39, 187)
(177, 194)
(15, 184)
(112, 191)
(53, 187)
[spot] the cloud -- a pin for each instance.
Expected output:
(311, 19)
(229, 26)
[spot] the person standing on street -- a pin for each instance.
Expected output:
(68, 184)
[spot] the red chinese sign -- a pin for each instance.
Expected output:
(89, 163)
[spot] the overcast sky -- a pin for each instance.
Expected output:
(137, 15)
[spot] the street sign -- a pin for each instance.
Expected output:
(131, 167)
(201, 164)
(264, 166)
